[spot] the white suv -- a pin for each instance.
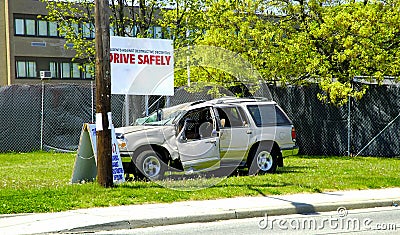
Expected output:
(203, 136)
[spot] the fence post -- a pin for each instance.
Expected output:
(42, 119)
(349, 128)
(92, 95)
(127, 109)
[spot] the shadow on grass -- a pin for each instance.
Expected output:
(319, 157)
(293, 169)
(220, 174)
(135, 184)
(206, 181)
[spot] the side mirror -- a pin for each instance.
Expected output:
(182, 138)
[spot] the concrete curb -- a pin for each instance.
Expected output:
(233, 214)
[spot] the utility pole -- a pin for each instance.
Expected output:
(103, 93)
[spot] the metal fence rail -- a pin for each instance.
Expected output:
(48, 116)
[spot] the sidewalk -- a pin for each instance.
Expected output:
(127, 217)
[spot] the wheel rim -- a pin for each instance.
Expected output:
(151, 166)
(264, 161)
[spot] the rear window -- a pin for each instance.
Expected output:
(268, 115)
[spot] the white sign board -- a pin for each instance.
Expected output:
(85, 168)
(141, 66)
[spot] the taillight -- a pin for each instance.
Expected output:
(294, 134)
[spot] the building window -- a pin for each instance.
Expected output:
(19, 26)
(112, 33)
(53, 29)
(75, 27)
(131, 31)
(75, 73)
(54, 69)
(86, 73)
(30, 27)
(157, 32)
(88, 30)
(65, 70)
(29, 67)
(42, 28)
(26, 69)
(69, 70)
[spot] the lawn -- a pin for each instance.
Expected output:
(40, 182)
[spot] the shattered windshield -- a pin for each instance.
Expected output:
(165, 116)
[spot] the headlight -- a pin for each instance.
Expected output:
(122, 142)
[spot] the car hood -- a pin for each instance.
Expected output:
(133, 129)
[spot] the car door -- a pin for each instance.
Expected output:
(197, 142)
(234, 134)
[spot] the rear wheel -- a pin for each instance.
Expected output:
(263, 161)
(150, 165)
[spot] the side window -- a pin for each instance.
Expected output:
(281, 118)
(245, 121)
(231, 117)
(197, 124)
(268, 115)
(263, 115)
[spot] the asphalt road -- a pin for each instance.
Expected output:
(383, 220)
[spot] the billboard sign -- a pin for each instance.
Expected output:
(141, 66)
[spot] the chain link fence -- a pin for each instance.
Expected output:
(49, 116)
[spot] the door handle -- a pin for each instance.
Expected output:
(249, 132)
(214, 142)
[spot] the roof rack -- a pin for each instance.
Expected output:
(197, 102)
(232, 99)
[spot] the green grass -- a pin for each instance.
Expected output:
(40, 182)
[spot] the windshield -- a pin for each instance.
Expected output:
(165, 116)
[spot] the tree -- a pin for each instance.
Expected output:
(332, 42)
(231, 25)
(183, 21)
(301, 42)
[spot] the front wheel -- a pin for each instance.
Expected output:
(150, 165)
(263, 161)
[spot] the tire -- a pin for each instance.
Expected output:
(263, 161)
(150, 166)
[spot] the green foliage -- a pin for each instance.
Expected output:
(331, 43)
(290, 42)
(68, 17)
(299, 42)
(183, 21)
(40, 182)
(125, 20)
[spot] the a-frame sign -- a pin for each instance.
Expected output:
(85, 168)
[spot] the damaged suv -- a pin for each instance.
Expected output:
(229, 132)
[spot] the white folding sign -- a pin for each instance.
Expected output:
(141, 66)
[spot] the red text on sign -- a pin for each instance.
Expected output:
(119, 58)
